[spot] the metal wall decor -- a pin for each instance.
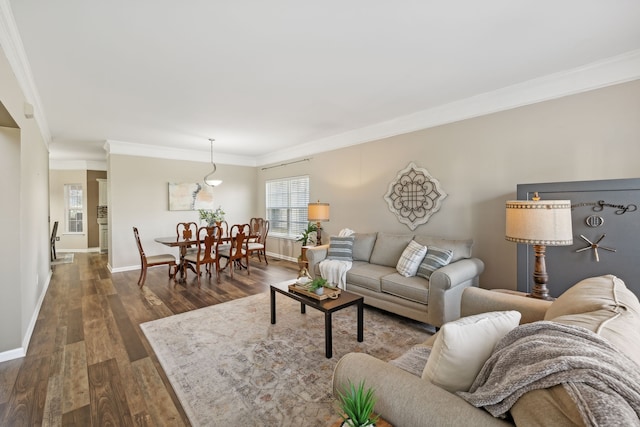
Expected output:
(414, 195)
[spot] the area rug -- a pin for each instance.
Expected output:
(230, 367)
(66, 258)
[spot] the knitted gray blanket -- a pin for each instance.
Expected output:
(604, 383)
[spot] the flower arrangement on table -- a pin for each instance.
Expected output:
(211, 217)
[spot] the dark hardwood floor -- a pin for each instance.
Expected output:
(88, 362)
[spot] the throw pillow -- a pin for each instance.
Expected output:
(363, 246)
(463, 346)
(410, 259)
(435, 258)
(341, 248)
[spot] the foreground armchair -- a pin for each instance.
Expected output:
(603, 305)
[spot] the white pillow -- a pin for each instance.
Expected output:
(463, 346)
(411, 258)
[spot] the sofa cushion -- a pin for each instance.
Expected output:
(412, 288)
(388, 248)
(340, 248)
(363, 246)
(436, 257)
(410, 259)
(461, 248)
(605, 306)
(368, 275)
(559, 409)
(463, 346)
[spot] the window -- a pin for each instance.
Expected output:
(73, 208)
(287, 201)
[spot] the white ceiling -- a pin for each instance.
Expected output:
(273, 80)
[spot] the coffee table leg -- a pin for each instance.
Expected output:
(303, 308)
(328, 338)
(273, 306)
(360, 321)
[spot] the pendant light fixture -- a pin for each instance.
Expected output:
(209, 179)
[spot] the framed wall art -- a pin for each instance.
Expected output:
(190, 196)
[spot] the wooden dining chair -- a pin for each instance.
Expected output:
(209, 239)
(153, 261)
(257, 242)
(54, 234)
(224, 228)
(188, 231)
(236, 252)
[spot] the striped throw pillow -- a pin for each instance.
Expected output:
(410, 259)
(341, 248)
(436, 258)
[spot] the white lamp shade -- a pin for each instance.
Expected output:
(318, 212)
(542, 222)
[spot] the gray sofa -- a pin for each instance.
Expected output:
(601, 304)
(373, 275)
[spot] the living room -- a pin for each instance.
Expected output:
(479, 161)
(587, 128)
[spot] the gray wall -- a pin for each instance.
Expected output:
(479, 162)
(24, 262)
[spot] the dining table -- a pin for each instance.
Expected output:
(183, 245)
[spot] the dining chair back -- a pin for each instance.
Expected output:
(224, 228)
(54, 235)
(258, 241)
(237, 252)
(209, 240)
(187, 231)
(153, 260)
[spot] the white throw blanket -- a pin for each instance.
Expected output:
(335, 271)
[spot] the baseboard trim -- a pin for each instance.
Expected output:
(16, 353)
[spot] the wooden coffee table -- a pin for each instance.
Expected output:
(327, 306)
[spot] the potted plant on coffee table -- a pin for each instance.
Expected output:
(317, 285)
(357, 404)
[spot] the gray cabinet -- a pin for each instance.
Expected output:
(603, 212)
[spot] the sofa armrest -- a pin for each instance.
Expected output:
(478, 300)
(316, 254)
(456, 273)
(445, 289)
(406, 400)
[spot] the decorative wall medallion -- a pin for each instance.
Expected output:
(414, 195)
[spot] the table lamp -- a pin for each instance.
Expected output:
(540, 223)
(318, 212)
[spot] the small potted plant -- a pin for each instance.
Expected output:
(305, 238)
(357, 406)
(317, 285)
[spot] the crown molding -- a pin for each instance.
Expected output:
(90, 165)
(14, 51)
(171, 153)
(611, 71)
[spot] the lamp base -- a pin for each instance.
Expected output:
(540, 276)
(318, 234)
(541, 295)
